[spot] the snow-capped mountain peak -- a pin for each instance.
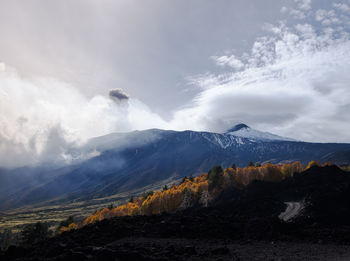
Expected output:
(244, 131)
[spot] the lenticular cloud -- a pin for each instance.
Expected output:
(293, 82)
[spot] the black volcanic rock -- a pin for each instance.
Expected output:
(197, 233)
(237, 127)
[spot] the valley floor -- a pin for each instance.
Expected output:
(56, 211)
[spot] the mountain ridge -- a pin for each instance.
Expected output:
(128, 161)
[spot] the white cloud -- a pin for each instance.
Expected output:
(295, 83)
(297, 14)
(44, 118)
(300, 11)
(327, 17)
(341, 6)
(284, 9)
(304, 4)
(230, 61)
(306, 31)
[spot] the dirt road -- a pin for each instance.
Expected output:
(293, 209)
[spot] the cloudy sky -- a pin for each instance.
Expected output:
(72, 70)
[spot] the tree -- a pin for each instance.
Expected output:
(272, 172)
(110, 206)
(215, 176)
(188, 199)
(206, 198)
(251, 164)
(149, 193)
(312, 163)
(131, 200)
(65, 223)
(233, 166)
(5, 239)
(34, 233)
(201, 189)
(70, 227)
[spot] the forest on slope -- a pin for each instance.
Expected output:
(194, 191)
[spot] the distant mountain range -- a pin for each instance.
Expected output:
(122, 162)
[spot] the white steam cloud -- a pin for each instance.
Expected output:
(42, 119)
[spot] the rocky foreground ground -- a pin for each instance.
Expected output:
(241, 225)
(155, 240)
(185, 249)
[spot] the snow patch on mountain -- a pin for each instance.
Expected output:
(219, 139)
(224, 140)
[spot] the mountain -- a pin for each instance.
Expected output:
(126, 162)
(340, 158)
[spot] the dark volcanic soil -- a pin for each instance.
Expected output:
(242, 225)
(195, 249)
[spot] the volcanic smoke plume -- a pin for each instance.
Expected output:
(118, 95)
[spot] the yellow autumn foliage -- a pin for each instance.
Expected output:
(193, 191)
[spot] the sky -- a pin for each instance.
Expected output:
(73, 70)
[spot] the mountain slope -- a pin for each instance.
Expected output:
(128, 161)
